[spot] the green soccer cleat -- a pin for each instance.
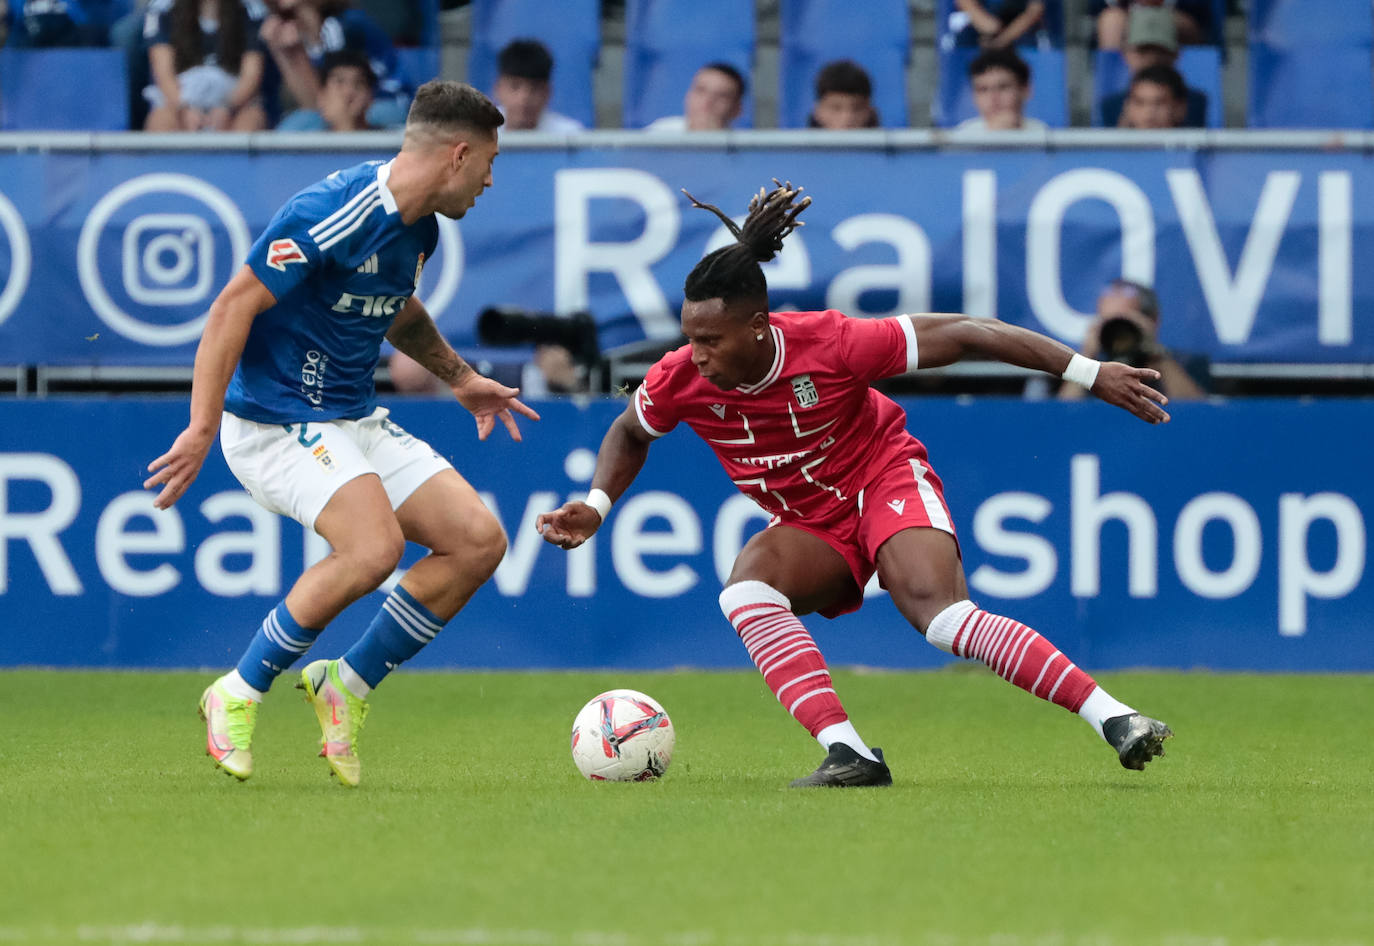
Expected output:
(341, 716)
(229, 725)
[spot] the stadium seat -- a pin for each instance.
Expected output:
(571, 29)
(419, 63)
(34, 100)
(1049, 89)
(1291, 23)
(1200, 67)
(814, 32)
(1324, 85)
(667, 41)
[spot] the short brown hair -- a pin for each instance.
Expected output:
(449, 104)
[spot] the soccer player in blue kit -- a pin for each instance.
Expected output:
(284, 373)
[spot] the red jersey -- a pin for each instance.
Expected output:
(803, 441)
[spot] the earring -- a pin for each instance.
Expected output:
(758, 338)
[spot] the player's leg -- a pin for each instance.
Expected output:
(920, 568)
(313, 473)
(434, 507)
(465, 542)
(780, 573)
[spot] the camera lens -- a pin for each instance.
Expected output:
(1120, 336)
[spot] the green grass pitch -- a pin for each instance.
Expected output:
(1010, 823)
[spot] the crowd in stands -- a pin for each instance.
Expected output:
(319, 65)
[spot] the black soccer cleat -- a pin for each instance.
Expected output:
(845, 768)
(1137, 739)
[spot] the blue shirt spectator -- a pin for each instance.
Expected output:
(299, 33)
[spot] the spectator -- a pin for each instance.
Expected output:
(524, 69)
(1001, 88)
(1127, 330)
(550, 372)
(1112, 19)
(1152, 40)
(206, 66)
(712, 103)
(298, 34)
(995, 24)
(1156, 99)
(347, 86)
(48, 23)
(844, 97)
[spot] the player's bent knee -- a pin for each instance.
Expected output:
(919, 604)
(374, 564)
(486, 545)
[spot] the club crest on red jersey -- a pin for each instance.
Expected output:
(805, 391)
(282, 252)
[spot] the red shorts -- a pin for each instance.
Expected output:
(905, 494)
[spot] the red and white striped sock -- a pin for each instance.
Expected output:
(782, 648)
(1013, 651)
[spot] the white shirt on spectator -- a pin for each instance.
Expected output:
(668, 123)
(554, 123)
(978, 124)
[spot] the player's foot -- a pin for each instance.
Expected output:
(341, 716)
(229, 725)
(1137, 739)
(845, 768)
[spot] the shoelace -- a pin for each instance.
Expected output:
(240, 716)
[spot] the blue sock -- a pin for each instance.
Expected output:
(278, 644)
(400, 629)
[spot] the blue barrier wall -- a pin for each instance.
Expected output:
(1234, 537)
(112, 257)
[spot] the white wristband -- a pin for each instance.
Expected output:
(1081, 370)
(599, 501)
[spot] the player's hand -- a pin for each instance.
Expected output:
(177, 469)
(489, 401)
(570, 526)
(1128, 388)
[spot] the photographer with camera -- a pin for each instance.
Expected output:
(1127, 330)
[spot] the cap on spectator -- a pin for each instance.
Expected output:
(1152, 26)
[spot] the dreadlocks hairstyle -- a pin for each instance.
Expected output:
(733, 272)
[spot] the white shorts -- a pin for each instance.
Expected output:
(294, 469)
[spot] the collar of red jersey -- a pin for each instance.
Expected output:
(779, 353)
(388, 199)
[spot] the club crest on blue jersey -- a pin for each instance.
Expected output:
(805, 391)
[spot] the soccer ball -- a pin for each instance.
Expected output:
(622, 736)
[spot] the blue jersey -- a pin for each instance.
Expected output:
(341, 265)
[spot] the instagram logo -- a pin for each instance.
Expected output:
(167, 259)
(165, 252)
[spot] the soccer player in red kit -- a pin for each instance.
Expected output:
(784, 400)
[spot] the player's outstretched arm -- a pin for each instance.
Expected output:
(618, 462)
(226, 331)
(415, 334)
(945, 339)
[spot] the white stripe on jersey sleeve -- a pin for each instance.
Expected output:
(913, 358)
(640, 395)
(341, 216)
(367, 209)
